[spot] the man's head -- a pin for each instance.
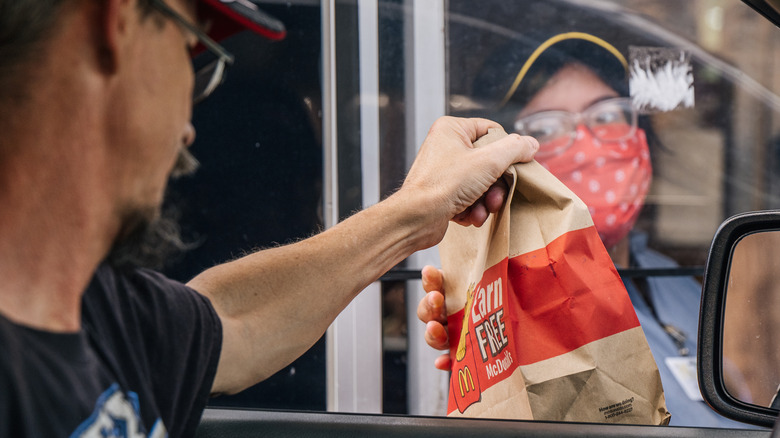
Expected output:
(26, 26)
(122, 73)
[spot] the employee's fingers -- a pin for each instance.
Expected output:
(443, 362)
(432, 279)
(436, 335)
(431, 306)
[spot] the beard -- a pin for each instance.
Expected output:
(148, 241)
(150, 237)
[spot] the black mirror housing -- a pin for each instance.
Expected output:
(770, 9)
(711, 318)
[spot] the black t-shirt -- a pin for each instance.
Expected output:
(141, 366)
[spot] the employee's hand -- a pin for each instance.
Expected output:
(432, 312)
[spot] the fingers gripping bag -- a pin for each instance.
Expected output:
(540, 324)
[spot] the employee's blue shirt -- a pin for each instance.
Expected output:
(674, 301)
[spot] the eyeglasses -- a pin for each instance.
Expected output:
(609, 120)
(209, 76)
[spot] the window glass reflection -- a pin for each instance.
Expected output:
(751, 326)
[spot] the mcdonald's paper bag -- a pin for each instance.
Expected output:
(540, 324)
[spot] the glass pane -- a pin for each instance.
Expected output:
(751, 320)
(393, 158)
(705, 164)
(259, 139)
(709, 157)
(260, 181)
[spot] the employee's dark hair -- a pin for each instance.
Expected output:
(516, 71)
(519, 69)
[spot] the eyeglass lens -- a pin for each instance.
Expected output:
(611, 120)
(211, 73)
(207, 78)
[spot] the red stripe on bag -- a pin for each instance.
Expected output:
(572, 295)
(569, 294)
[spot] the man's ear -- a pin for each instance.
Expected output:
(114, 30)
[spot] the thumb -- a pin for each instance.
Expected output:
(511, 149)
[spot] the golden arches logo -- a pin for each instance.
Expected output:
(461, 352)
(465, 381)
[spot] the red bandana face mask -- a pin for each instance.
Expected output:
(611, 178)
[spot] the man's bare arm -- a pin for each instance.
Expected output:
(276, 303)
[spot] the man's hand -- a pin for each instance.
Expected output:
(432, 312)
(457, 181)
(468, 181)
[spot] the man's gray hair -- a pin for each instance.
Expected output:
(24, 25)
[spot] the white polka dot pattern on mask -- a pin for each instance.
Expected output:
(612, 178)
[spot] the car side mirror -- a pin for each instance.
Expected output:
(770, 9)
(739, 322)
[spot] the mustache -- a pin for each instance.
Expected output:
(186, 164)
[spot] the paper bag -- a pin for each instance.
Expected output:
(540, 324)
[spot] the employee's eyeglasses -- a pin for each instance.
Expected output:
(210, 75)
(608, 120)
